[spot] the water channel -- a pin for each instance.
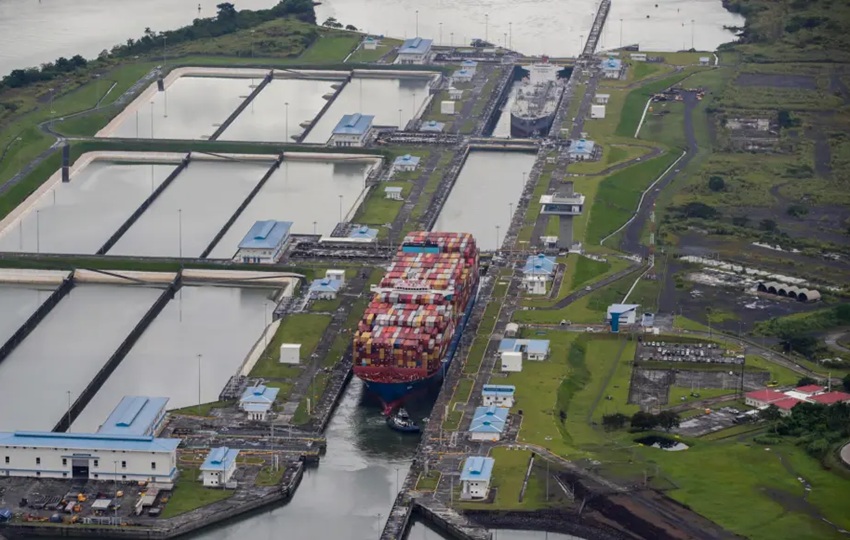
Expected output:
(303, 192)
(18, 303)
(65, 351)
(278, 111)
(485, 195)
(218, 323)
(187, 215)
(389, 100)
(79, 216)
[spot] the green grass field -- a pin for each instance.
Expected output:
(377, 209)
(362, 55)
(303, 328)
(330, 48)
(189, 494)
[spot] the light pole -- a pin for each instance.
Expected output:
(396, 480)
(314, 228)
(340, 208)
(510, 35)
(115, 481)
(523, 180)
(286, 108)
(400, 128)
(38, 231)
(164, 41)
(621, 33)
(199, 385)
(165, 98)
(151, 119)
(413, 108)
(252, 43)
(441, 34)
(137, 123)
(417, 23)
(692, 34)
(451, 39)
(486, 26)
(180, 232)
(52, 94)
(510, 213)
(69, 410)
(497, 238)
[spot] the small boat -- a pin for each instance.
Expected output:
(401, 421)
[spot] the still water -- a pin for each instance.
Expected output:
(79, 216)
(219, 323)
(18, 304)
(65, 351)
(420, 531)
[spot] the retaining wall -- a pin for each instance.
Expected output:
(242, 106)
(323, 110)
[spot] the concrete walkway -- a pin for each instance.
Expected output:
(845, 454)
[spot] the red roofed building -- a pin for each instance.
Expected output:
(831, 397)
(810, 389)
(785, 405)
(762, 398)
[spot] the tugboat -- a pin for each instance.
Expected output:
(401, 421)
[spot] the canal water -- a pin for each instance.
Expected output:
(189, 108)
(278, 111)
(503, 125)
(219, 323)
(420, 531)
(65, 351)
(18, 303)
(187, 215)
(389, 100)
(302, 192)
(488, 184)
(79, 216)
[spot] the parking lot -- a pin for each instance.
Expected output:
(713, 421)
(664, 351)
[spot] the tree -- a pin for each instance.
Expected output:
(846, 382)
(643, 420)
(351, 27)
(770, 414)
(716, 183)
(614, 421)
(226, 11)
(740, 221)
(331, 22)
(806, 381)
(767, 225)
(668, 420)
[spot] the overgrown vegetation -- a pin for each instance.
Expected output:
(813, 426)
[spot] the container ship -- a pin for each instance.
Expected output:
(536, 101)
(410, 330)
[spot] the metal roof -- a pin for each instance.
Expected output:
(354, 124)
(219, 459)
(266, 235)
(91, 442)
(432, 126)
(363, 232)
(134, 415)
(498, 389)
(531, 346)
(415, 45)
(392, 189)
(258, 394)
(325, 285)
(581, 147)
(477, 468)
(406, 159)
(622, 308)
(539, 264)
(611, 64)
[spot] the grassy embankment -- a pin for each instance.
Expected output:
(190, 494)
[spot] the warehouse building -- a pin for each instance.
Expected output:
(352, 130)
(475, 477)
(488, 423)
(218, 468)
(500, 395)
(136, 415)
(257, 401)
(265, 242)
(414, 51)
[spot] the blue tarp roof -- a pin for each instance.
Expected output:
(266, 234)
(477, 468)
(539, 265)
(363, 232)
(406, 159)
(325, 285)
(134, 415)
(498, 389)
(532, 346)
(415, 45)
(88, 441)
(259, 394)
(354, 124)
(219, 459)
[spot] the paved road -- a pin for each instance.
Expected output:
(845, 454)
(832, 341)
(584, 291)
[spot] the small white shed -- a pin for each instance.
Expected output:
(447, 107)
(290, 353)
(511, 329)
(597, 111)
(511, 361)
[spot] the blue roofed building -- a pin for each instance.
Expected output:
(406, 163)
(500, 395)
(414, 51)
(352, 130)
(432, 126)
(469, 65)
(488, 423)
(611, 67)
(88, 456)
(618, 314)
(324, 288)
(219, 466)
(257, 401)
(463, 75)
(531, 349)
(538, 272)
(136, 415)
(475, 477)
(363, 233)
(581, 150)
(265, 242)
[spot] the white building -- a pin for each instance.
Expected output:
(602, 99)
(265, 242)
(352, 130)
(393, 193)
(455, 93)
(324, 289)
(511, 361)
(336, 275)
(432, 126)
(597, 111)
(538, 271)
(88, 456)
(290, 353)
(581, 150)
(406, 163)
(500, 395)
(462, 76)
(488, 423)
(511, 329)
(638, 57)
(257, 401)
(611, 68)
(370, 43)
(136, 415)
(626, 313)
(704, 61)
(219, 466)
(475, 477)
(414, 51)
(447, 107)
(530, 349)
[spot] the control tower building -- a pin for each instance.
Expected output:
(566, 206)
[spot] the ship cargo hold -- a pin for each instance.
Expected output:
(410, 330)
(536, 101)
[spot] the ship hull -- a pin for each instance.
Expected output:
(394, 394)
(524, 127)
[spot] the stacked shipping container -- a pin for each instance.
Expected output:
(407, 328)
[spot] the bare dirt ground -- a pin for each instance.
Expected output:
(802, 82)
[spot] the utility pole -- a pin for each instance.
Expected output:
(692, 33)
(621, 33)
(69, 411)
(199, 385)
(486, 26)
(417, 23)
